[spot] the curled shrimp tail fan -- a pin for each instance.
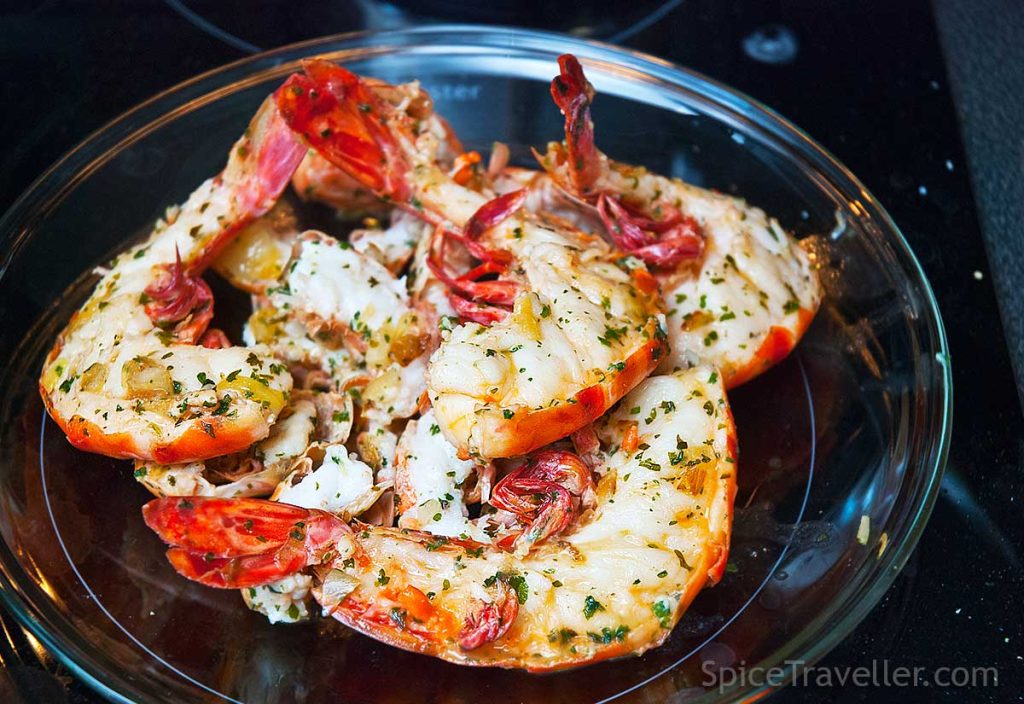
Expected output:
(573, 95)
(489, 621)
(340, 117)
(480, 313)
(215, 339)
(234, 543)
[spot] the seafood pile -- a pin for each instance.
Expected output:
(489, 425)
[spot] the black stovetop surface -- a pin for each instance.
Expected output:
(867, 79)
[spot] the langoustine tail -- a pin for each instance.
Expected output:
(233, 543)
(346, 122)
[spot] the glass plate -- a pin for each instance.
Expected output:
(842, 446)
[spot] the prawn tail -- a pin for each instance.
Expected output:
(234, 543)
(546, 494)
(340, 117)
(489, 620)
(180, 302)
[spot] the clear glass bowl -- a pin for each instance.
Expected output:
(842, 445)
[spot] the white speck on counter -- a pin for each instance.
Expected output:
(923, 190)
(949, 165)
(934, 85)
(957, 612)
(978, 276)
(804, 215)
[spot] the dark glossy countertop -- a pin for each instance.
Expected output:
(866, 79)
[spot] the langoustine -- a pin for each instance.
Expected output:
(126, 378)
(738, 289)
(557, 292)
(613, 582)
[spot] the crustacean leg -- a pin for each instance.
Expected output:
(547, 494)
(482, 301)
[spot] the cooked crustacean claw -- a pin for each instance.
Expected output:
(739, 290)
(616, 582)
(126, 377)
(524, 370)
